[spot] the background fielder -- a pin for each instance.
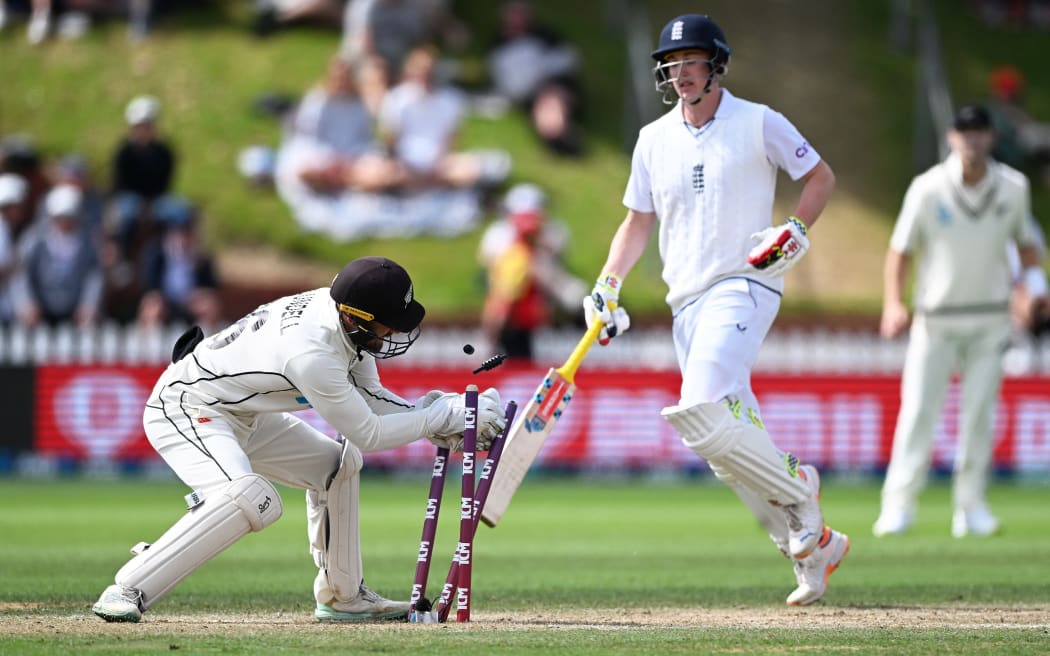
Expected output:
(219, 416)
(958, 221)
(706, 172)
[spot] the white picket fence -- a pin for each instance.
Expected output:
(787, 351)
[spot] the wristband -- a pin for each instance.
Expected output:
(610, 280)
(1035, 281)
(798, 224)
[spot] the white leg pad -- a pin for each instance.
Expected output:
(246, 504)
(769, 516)
(333, 524)
(740, 448)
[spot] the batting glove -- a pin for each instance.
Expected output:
(604, 305)
(779, 248)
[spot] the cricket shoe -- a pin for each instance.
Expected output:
(119, 604)
(812, 572)
(367, 606)
(805, 519)
(979, 522)
(893, 521)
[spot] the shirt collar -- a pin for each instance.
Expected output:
(955, 171)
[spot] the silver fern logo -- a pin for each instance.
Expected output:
(408, 295)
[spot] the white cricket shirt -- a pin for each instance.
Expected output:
(288, 355)
(960, 236)
(712, 188)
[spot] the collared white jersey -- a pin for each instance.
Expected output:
(288, 355)
(961, 236)
(712, 188)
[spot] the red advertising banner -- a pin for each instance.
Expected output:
(838, 421)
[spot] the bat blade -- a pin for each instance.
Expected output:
(524, 441)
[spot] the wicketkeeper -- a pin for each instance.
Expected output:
(220, 417)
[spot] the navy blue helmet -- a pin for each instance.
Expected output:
(691, 32)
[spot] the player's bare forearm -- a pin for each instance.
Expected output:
(894, 313)
(817, 186)
(629, 242)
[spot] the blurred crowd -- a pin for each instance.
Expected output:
(372, 149)
(73, 250)
(71, 19)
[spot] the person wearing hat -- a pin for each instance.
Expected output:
(221, 416)
(526, 276)
(957, 222)
(13, 191)
(703, 176)
(60, 279)
(143, 168)
(179, 278)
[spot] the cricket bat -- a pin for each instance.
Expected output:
(535, 422)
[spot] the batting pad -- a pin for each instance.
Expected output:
(245, 504)
(332, 519)
(769, 516)
(739, 448)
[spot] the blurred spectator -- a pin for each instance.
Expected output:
(71, 19)
(73, 169)
(13, 193)
(61, 279)
(1014, 13)
(527, 281)
(179, 279)
(143, 170)
(536, 69)
(420, 119)
(270, 15)
(331, 146)
(373, 82)
(18, 155)
(390, 29)
(1022, 140)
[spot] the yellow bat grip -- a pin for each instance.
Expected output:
(568, 370)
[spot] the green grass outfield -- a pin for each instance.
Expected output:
(576, 567)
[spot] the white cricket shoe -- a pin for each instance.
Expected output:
(812, 572)
(893, 521)
(367, 606)
(979, 521)
(119, 604)
(805, 520)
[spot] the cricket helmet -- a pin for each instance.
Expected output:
(693, 32)
(377, 289)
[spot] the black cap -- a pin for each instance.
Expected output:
(378, 288)
(972, 117)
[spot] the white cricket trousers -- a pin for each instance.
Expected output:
(938, 346)
(717, 338)
(207, 448)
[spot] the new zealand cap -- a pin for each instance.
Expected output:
(972, 117)
(377, 288)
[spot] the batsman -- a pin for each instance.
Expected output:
(705, 173)
(220, 417)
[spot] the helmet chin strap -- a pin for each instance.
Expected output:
(706, 90)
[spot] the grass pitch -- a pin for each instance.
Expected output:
(576, 567)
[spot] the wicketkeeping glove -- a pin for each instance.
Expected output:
(604, 305)
(446, 414)
(779, 247)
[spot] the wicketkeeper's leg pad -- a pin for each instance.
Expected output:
(333, 521)
(246, 504)
(734, 443)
